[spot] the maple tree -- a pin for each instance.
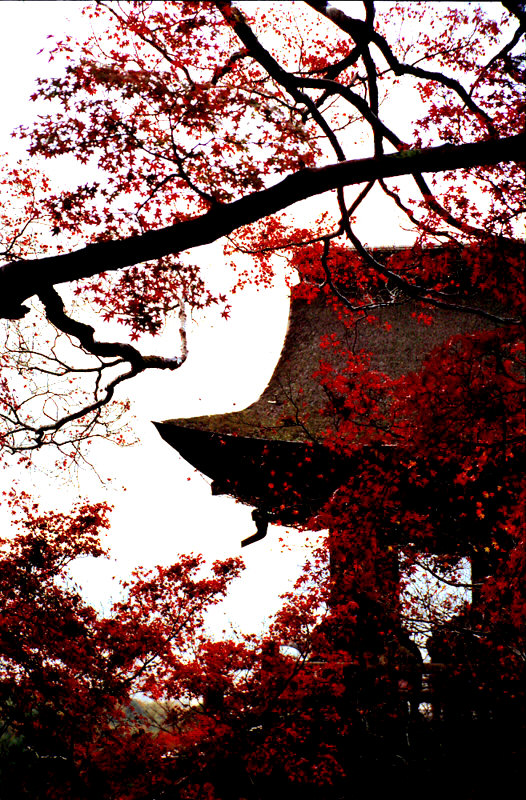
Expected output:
(194, 122)
(186, 123)
(68, 675)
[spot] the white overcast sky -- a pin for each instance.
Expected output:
(167, 508)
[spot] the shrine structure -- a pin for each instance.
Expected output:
(274, 456)
(271, 455)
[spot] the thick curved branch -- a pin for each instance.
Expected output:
(444, 214)
(333, 70)
(87, 412)
(85, 334)
(517, 36)
(21, 279)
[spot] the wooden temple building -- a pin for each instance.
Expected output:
(273, 454)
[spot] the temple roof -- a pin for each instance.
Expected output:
(271, 454)
(289, 408)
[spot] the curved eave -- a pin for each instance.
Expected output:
(290, 480)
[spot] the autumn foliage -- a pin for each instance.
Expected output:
(277, 129)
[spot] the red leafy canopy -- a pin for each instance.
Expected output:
(68, 675)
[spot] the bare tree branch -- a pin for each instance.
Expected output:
(111, 356)
(431, 297)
